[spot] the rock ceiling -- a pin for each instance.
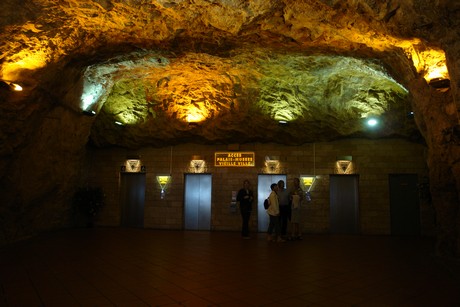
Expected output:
(219, 71)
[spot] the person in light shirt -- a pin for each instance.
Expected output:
(274, 214)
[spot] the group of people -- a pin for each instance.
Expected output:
(284, 208)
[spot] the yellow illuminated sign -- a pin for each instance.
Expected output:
(163, 180)
(234, 159)
(307, 181)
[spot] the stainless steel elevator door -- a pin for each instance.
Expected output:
(263, 191)
(132, 190)
(197, 202)
(344, 204)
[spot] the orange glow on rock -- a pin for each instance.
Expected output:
(195, 115)
(27, 59)
(431, 63)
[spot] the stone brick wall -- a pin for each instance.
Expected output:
(373, 161)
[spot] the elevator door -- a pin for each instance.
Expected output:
(263, 191)
(197, 202)
(404, 204)
(132, 199)
(344, 204)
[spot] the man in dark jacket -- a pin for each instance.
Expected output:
(245, 199)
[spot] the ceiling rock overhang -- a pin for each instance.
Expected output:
(221, 71)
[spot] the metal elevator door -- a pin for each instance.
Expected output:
(344, 204)
(263, 191)
(404, 204)
(197, 202)
(132, 199)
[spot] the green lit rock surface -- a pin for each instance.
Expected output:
(219, 99)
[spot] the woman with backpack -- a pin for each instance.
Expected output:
(274, 214)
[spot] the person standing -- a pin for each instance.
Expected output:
(245, 199)
(297, 196)
(285, 208)
(274, 214)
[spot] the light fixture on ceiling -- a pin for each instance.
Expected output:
(372, 122)
(89, 112)
(12, 86)
(16, 87)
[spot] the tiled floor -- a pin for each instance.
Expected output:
(141, 267)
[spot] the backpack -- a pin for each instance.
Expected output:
(266, 204)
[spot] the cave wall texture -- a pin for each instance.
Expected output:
(234, 51)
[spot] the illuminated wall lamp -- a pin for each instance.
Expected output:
(272, 163)
(344, 165)
(13, 86)
(307, 182)
(163, 181)
(197, 164)
(133, 166)
(16, 87)
(89, 112)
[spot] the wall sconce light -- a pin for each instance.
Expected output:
(163, 181)
(283, 123)
(16, 87)
(89, 112)
(13, 86)
(272, 164)
(197, 164)
(307, 182)
(133, 166)
(344, 165)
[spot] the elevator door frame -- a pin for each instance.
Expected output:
(201, 214)
(404, 204)
(132, 201)
(344, 204)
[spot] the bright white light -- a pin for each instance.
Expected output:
(372, 122)
(16, 87)
(91, 94)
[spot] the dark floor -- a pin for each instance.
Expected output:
(141, 267)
